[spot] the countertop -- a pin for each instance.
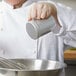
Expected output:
(70, 54)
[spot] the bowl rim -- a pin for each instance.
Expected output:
(63, 65)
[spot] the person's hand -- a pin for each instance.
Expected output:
(40, 11)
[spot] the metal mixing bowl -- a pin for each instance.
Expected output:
(34, 68)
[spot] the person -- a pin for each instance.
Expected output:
(16, 43)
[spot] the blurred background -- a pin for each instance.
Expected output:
(71, 3)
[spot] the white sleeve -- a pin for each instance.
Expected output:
(66, 17)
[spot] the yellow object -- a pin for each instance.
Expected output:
(72, 49)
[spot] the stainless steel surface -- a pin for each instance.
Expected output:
(34, 68)
(38, 28)
(11, 64)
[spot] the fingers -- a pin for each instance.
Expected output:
(44, 12)
(32, 12)
(48, 12)
(39, 11)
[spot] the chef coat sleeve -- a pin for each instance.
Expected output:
(66, 17)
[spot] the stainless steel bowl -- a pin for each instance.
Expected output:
(34, 68)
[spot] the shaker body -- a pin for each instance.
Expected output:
(38, 28)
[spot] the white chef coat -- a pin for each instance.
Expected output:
(55, 40)
(16, 43)
(14, 40)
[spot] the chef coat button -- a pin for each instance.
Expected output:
(35, 51)
(71, 39)
(2, 51)
(1, 12)
(1, 29)
(67, 41)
